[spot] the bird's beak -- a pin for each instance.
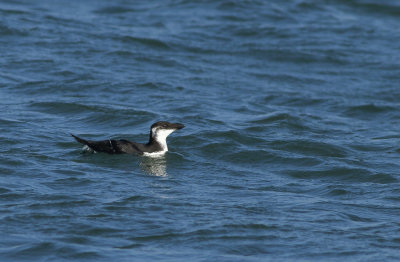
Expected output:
(178, 126)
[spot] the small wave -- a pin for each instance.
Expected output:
(76, 108)
(149, 42)
(283, 120)
(370, 108)
(367, 111)
(4, 190)
(252, 157)
(27, 250)
(356, 218)
(293, 56)
(274, 117)
(70, 181)
(122, 53)
(8, 195)
(238, 5)
(64, 107)
(292, 79)
(216, 149)
(64, 73)
(359, 175)
(101, 231)
(261, 32)
(261, 157)
(114, 10)
(368, 147)
(14, 12)
(68, 20)
(250, 226)
(12, 162)
(158, 60)
(151, 85)
(332, 190)
(198, 47)
(43, 249)
(379, 7)
(338, 192)
(234, 18)
(235, 136)
(10, 122)
(308, 147)
(5, 30)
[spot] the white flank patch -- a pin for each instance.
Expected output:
(86, 148)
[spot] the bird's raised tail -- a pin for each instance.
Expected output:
(80, 140)
(88, 145)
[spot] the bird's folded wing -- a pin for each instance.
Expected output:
(125, 146)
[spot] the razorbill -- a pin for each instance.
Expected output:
(157, 144)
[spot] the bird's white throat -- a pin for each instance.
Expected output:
(160, 136)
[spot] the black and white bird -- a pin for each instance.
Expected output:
(157, 144)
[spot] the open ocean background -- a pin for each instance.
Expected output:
(291, 147)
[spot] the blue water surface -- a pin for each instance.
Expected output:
(291, 146)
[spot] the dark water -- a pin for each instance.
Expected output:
(291, 150)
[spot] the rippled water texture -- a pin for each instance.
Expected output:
(291, 146)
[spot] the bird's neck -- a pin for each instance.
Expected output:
(160, 143)
(158, 138)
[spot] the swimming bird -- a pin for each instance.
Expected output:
(157, 144)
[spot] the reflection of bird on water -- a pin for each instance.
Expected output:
(156, 166)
